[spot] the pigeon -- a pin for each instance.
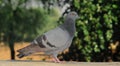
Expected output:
(54, 41)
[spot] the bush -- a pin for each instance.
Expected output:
(97, 29)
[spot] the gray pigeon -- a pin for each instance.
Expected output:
(53, 41)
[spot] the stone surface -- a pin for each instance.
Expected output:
(41, 63)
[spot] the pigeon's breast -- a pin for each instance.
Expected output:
(57, 37)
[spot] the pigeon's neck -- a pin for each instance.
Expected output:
(69, 25)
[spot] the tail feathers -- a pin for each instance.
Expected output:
(20, 55)
(28, 50)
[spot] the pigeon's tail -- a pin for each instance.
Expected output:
(28, 50)
(20, 55)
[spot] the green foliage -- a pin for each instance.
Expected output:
(26, 23)
(95, 29)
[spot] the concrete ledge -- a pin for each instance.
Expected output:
(40, 63)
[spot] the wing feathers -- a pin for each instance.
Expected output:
(43, 42)
(47, 42)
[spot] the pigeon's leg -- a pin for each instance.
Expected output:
(56, 60)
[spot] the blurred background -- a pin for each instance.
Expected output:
(97, 38)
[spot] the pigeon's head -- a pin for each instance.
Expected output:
(72, 15)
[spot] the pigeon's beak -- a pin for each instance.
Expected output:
(77, 17)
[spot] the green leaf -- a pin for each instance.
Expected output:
(76, 3)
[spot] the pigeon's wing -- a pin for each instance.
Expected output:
(56, 38)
